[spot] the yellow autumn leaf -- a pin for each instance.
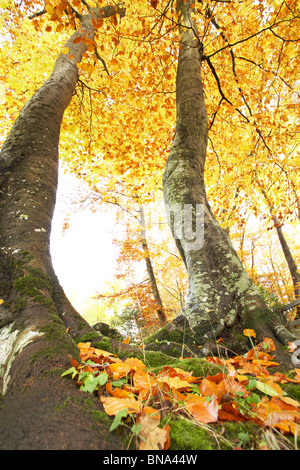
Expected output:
(120, 369)
(290, 401)
(174, 382)
(65, 50)
(100, 352)
(83, 66)
(49, 9)
(84, 345)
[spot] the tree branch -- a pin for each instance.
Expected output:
(35, 15)
(267, 28)
(101, 60)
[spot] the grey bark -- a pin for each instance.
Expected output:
(37, 322)
(220, 293)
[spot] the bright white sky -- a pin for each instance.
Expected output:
(84, 257)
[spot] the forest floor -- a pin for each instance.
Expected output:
(159, 401)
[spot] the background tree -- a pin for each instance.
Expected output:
(294, 272)
(150, 274)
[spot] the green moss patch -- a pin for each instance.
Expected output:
(185, 435)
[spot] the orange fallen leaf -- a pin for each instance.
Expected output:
(257, 354)
(145, 384)
(113, 405)
(286, 403)
(118, 392)
(155, 414)
(249, 332)
(267, 345)
(288, 427)
(297, 376)
(217, 378)
(177, 372)
(126, 341)
(119, 370)
(100, 352)
(168, 440)
(233, 387)
(228, 412)
(215, 360)
(209, 388)
(250, 368)
(274, 386)
(84, 345)
(135, 363)
(184, 375)
(201, 409)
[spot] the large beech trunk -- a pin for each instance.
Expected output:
(221, 296)
(37, 322)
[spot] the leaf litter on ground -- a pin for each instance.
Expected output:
(245, 391)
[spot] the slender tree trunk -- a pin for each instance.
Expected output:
(37, 322)
(295, 274)
(221, 295)
(159, 305)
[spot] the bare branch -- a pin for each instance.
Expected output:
(101, 60)
(267, 28)
(35, 15)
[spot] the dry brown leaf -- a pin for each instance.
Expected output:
(151, 436)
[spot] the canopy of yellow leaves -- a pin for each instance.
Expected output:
(121, 121)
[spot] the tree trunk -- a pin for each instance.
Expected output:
(37, 322)
(295, 274)
(159, 305)
(221, 296)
